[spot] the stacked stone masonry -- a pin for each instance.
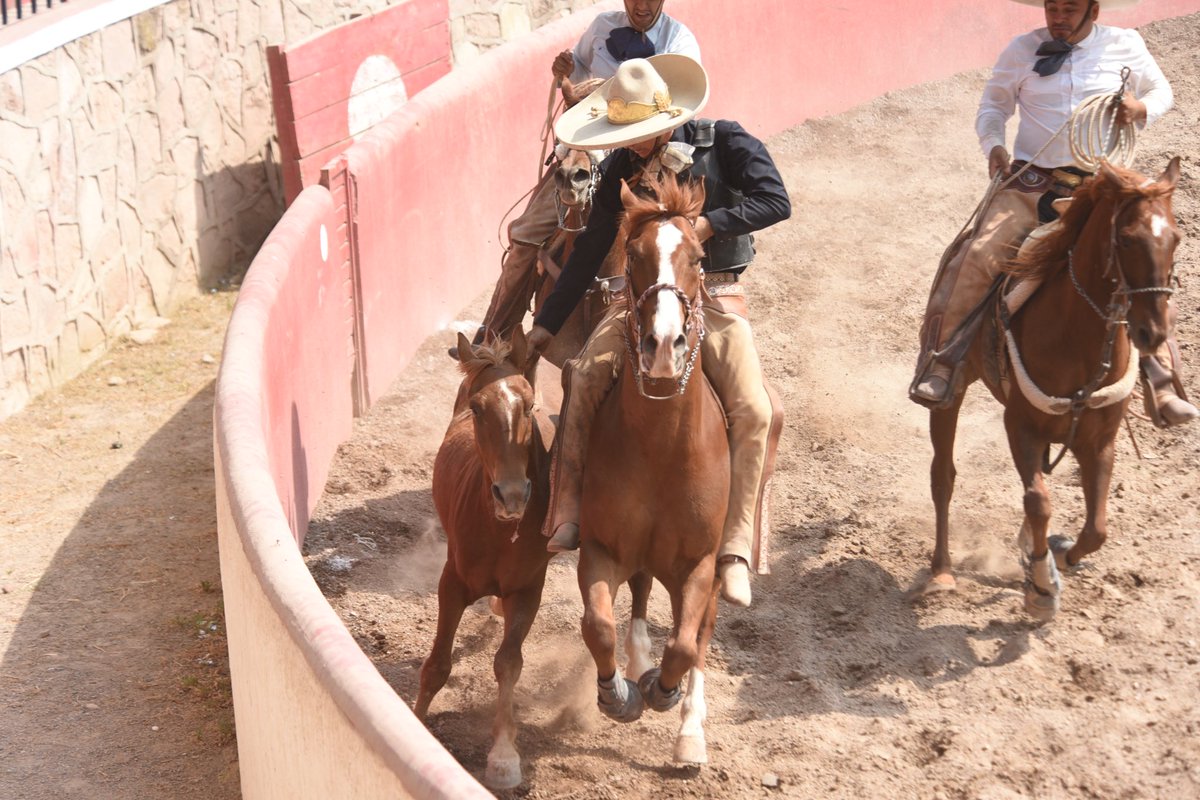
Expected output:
(137, 168)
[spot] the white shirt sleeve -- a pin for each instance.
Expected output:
(999, 100)
(1149, 84)
(584, 51)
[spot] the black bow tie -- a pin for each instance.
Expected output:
(626, 43)
(1054, 53)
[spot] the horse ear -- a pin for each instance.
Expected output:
(520, 347)
(464, 349)
(1170, 175)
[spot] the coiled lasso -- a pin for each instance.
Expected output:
(1095, 135)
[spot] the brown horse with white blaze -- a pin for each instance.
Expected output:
(1063, 364)
(491, 488)
(656, 482)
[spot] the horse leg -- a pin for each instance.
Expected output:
(1095, 473)
(943, 426)
(452, 601)
(504, 762)
(689, 744)
(1042, 584)
(637, 638)
(617, 696)
(689, 605)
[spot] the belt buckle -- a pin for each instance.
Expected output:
(1065, 178)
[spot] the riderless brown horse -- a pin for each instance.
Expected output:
(1062, 365)
(656, 482)
(490, 487)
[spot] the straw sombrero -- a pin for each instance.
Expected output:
(646, 97)
(1104, 4)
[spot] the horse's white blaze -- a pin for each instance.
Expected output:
(637, 648)
(511, 401)
(694, 709)
(668, 322)
(1158, 224)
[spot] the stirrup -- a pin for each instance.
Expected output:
(566, 537)
(924, 389)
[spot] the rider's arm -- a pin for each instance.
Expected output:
(747, 166)
(999, 100)
(590, 248)
(1148, 83)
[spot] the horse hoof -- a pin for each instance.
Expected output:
(942, 582)
(1041, 607)
(502, 773)
(1042, 588)
(652, 691)
(691, 750)
(1059, 545)
(620, 699)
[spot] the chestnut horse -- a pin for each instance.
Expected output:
(1105, 274)
(656, 482)
(490, 487)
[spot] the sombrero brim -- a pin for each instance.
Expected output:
(585, 126)
(1104, 4)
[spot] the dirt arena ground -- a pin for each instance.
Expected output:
(840, 681)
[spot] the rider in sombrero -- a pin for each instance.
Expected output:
(638, 31)
(1047, 74)
(647, 111)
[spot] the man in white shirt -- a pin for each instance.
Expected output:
(640, 31)
(1046, 73)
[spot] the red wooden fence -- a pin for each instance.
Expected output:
(332, 87)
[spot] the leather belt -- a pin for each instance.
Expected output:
(721, 277)
(1070, 177)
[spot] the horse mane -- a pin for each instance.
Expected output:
(1048, 256)
(669, 198)
(485, 356)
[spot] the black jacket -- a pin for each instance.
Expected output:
(745, 165)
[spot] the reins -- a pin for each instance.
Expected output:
(1091, 129)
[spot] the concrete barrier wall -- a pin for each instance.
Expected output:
(410, 237)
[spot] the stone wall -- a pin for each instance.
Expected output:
(137, 168)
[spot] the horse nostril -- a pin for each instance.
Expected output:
(497, 494)
(581, 176)
(649, 344)
(680, 343)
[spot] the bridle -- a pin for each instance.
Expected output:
(563, 209)
(693, 324)
(1093, 394)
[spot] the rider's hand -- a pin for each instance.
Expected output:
(564, 64)
(1131, 110)
(538, 338)
(997, 161)
(703, 228)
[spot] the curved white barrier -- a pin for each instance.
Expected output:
(350, 282)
